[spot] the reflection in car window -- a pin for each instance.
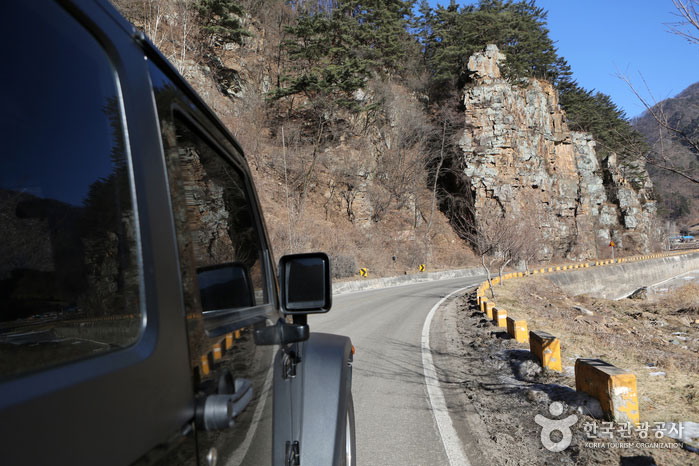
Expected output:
(220, 221)
(69, 280)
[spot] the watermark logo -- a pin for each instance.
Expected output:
(549, 426)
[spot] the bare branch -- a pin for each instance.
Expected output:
(687, 11)
(657, 112)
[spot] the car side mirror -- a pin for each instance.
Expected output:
(225, 286)
(305, 283)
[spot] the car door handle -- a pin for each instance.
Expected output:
(218, 412)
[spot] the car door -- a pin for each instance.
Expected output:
(229, 289)
(93, 355)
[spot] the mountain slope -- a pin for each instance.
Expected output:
(678, 198)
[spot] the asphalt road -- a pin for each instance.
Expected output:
(394, 422)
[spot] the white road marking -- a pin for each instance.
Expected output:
(450, 439)
(238, 455)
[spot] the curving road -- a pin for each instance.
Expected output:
(395, 424)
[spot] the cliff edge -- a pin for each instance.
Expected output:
(519, 156)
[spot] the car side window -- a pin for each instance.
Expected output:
(221, 251)
(69, 273)
(225, 240)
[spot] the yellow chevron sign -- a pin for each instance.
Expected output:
(363, 272)
(421, 268)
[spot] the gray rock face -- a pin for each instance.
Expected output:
(520, 156)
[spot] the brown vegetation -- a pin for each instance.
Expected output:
(659, 336)
(358, 185)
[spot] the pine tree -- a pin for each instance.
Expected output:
(325, 65)
(334, 51)
(382, 31)
(221, 20)
(517, 28)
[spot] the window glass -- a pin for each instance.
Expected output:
(224, 237)
(69, 276)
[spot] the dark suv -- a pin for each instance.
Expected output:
(141, 317)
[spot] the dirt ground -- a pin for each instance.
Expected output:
(494, 390)
(657, 340)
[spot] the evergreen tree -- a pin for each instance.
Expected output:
(517, 28)
(221, 20)
(382, 31)
(325, 65)
(597, 114)
(334, 50)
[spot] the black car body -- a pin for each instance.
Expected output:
(141, 320)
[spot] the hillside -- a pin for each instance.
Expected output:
(356, 134)
(678, 198)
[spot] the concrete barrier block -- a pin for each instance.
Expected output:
(500, 317)
(217, 352)
(482, 304)
(547, 349)
(204, 365)
(615, 388)
(489, 309)
(517, 328)
(229, 341)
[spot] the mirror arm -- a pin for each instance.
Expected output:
(300, 319)
(282, 333)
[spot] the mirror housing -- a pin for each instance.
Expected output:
(305, 284)
(225, 286)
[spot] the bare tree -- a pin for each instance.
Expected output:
(688, 28)
(486, 232)
(526, 227)
(665, 126)
(687, 11)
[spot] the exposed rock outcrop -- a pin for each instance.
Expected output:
(520, 156)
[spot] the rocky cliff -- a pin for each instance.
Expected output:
(520, 158)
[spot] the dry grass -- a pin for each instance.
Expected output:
(642, 336)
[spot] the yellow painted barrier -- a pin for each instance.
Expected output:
(205, 365)
(500, 317)
(217, 353)
(483, 302)
(489, 309)
(615, 388)
(229, 341)
(517, 328)
(547, 349)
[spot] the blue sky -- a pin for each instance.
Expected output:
(601, 38)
